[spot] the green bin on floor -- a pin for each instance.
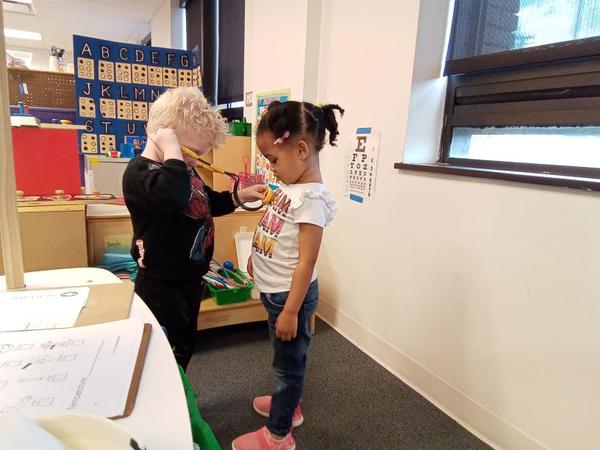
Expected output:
(201, 431)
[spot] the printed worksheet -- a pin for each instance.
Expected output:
(38, 310)
(73, 370)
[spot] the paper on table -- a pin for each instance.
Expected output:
(85, 369)
(36, 310)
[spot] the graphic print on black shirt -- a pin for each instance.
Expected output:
(198, 209)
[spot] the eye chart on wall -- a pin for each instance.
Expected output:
(361, 165)
(116, 84)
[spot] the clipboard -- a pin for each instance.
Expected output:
(109, 358)
(137, 373)
(106, 303)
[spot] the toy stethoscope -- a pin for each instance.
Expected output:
(236, 180)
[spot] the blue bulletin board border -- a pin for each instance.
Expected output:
(116, 84)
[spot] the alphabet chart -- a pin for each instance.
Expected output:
(116, 84)
(361, 165)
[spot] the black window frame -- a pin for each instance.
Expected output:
(549, 85)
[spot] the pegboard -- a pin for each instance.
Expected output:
(40, 88)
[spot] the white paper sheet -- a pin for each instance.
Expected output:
(85, 369)
(43, 309)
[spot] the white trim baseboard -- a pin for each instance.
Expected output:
(470, 414)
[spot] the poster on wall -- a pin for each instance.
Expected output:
(263, 100)
(116, 84)
(361, 165)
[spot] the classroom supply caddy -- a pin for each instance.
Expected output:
(226, 296)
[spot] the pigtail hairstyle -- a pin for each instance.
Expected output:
(301, 118)
(330, 122)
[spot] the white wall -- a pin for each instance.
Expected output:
(166, 26)
(274, 47)
(40, 57)
(428, 88)
(481, 295)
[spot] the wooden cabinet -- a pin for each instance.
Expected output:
(233, 156)
(104, 231)
(52, 237)
(225, 229)
(211, 314)
(107, 226)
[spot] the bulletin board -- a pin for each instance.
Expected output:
(116, 84)
(263, 100)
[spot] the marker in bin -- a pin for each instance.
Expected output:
(223, 277)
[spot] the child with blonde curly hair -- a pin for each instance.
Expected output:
(172, 212)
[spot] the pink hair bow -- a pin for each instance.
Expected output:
(282, 138)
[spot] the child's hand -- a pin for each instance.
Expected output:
(286, 326)
(167, 142)
(250, 267)
(253, 193)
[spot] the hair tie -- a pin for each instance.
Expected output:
(282, 138)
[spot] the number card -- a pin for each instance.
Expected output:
(361, 165)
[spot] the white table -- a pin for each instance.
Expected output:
(160, 418)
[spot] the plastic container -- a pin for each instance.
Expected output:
(243, 247)
(127, 150)
(237, 128)
(233, 295)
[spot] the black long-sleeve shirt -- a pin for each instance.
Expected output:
(171, 211)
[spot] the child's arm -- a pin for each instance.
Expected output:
(222, 203)
(166, 189)
(310, 237)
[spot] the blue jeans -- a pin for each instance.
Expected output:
(289, 360)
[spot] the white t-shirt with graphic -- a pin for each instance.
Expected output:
(276, 240)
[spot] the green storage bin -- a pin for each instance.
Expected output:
(233, 295)
(240, 128)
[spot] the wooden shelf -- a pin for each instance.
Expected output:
(213, 315)
(53, 236)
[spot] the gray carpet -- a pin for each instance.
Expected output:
(350, 402)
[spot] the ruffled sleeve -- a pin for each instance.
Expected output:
(315, 205)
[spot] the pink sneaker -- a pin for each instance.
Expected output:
(262, 405)
(262, 440)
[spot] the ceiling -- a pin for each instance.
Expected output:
(58, 20)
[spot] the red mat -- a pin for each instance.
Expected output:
(46, 160)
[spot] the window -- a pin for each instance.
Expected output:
(523, 95)
(215, 28)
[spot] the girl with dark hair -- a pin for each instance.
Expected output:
(284, 254)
